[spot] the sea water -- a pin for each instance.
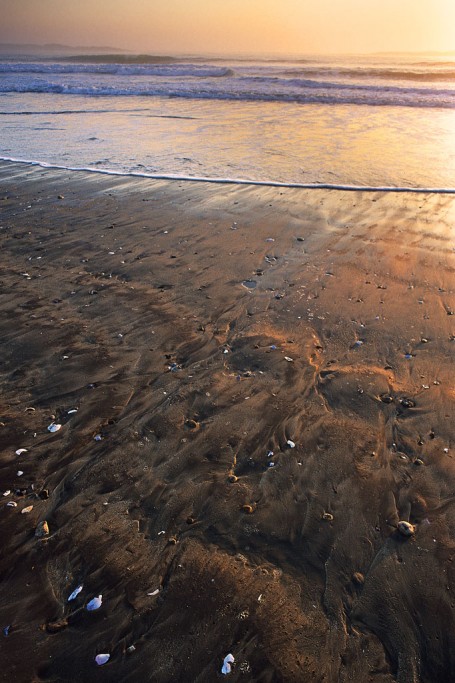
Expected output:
(378, 120)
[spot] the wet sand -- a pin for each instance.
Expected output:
(123, 300)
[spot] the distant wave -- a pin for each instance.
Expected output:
(430, 75)
(119, 59)
(435, 64)
(115, 69)
(245, 89)
(62, 112)
(240, 181)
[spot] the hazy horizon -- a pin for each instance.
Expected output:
(105, 50)
(257, 27)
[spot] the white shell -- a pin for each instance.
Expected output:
(75, 593)
(11, 504)
(290, 443)
(19, 473)
(7, 493)
(289, 360)
(102, 659)
(95, 603)
(53, 427)
(226, 668)
(21, 450)
(155, 592)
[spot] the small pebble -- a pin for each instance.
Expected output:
(358, 578)
(407, 403)
(56, 626)
(42, 529)
(386, 398)
(406, 529)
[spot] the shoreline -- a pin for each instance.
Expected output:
(236, 181)
(195, 328)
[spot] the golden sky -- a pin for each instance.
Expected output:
(234, 26)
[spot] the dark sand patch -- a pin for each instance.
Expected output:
(123, 301)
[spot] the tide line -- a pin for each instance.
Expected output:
(236, 181)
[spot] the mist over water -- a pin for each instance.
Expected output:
(376, 121)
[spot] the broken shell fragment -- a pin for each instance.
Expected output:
(248, 509)
(228, 660)
(53, 427)
(27, 510)
(327, 516)
(102, 659)
(21, 450)
(290, 443)
(406, 529)
(358, 578)
(75, 593)
(95, 603)
(11, 504)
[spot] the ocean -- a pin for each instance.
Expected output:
(377, 121)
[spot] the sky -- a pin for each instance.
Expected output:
(234, 26)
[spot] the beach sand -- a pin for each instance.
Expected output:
(122, 298)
